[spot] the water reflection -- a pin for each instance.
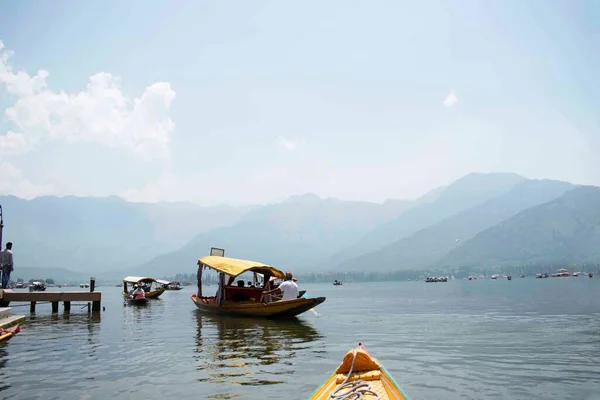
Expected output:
(247, 351)
(3, 359)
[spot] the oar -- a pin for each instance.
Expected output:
(306, 296)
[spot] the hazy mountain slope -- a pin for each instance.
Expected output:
(94, 234)
(297, 233)
(464, 193)
(430, 244)
(565, 230)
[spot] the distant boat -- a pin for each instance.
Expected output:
(561, 273)
(508, 277)
(337, 283)
(170, 285)
(438, 279)
(37, 287)
(151, 287)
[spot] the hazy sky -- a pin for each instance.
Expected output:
(253, 101)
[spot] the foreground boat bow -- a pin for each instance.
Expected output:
(360, 376)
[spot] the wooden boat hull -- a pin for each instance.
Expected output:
(154, 294)
(137, 302)
(7, 334)
(275, 309)
(5, 337)
(366, 370)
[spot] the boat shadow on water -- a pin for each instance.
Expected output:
(249, 351)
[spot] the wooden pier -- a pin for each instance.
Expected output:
(8, 295)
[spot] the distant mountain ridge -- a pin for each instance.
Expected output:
(297, 233)
(466, 192)
(97, 234)
(426, 246)
(565, 230)
(481, 219)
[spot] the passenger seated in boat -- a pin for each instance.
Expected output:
(138, 293)
(288, 288)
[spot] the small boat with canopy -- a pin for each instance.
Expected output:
(151, 287)
(239, 299)
(170, 285)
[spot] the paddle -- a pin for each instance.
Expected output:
(306, 296)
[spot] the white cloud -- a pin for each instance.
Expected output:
(288, 144)
(451, 99)
(13, 182)
(100, 114)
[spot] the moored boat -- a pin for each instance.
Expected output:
(245, 300)
(359, 376)
(6, 334)
(151, 287)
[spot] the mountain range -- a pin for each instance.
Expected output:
(478, 220)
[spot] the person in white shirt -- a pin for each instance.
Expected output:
(6, 264)
(288, 288)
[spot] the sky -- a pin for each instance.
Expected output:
(253, 102)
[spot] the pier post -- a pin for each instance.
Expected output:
(32, 307)
(96, 306)
(92, 284)
(67, 306)
(54, 307)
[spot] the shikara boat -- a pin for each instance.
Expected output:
(151, 287)
(246, 300)
(360, 376)
(6, 334)
(174, 285)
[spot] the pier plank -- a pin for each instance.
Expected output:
(10, 296)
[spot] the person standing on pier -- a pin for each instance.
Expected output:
(6, 264)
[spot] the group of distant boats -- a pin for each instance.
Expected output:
(560, 273)
(40, 286)
(563, 273)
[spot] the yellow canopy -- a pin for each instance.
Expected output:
(235, 267)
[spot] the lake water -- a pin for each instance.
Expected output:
(485, 339)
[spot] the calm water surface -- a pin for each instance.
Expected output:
(486, 339)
